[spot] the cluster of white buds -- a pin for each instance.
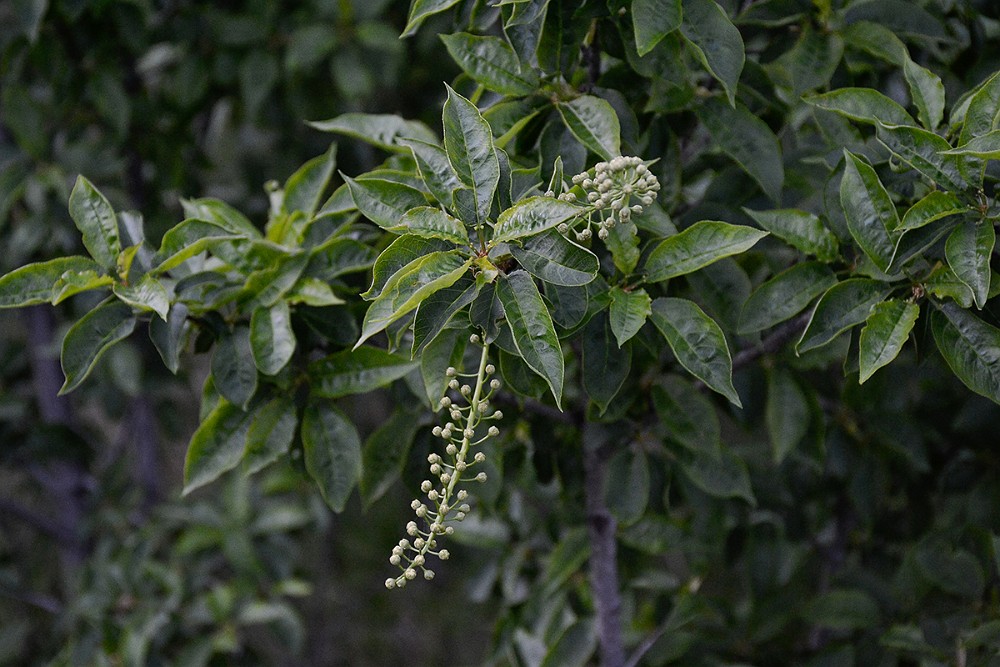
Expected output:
(618, 189)
(466, 406)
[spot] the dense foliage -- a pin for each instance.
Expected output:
(694, 297)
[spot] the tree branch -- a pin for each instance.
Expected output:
(46, 526)
(773, 343)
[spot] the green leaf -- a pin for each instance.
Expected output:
(380, 130)
(886, 329)
(217, 446)
(842, 306)
(532, 216)
(168, 337)
(148, 294)
(420, 10)
(431, 223)
(863, 105)
(605, 364)
(233, 367)
(332, 452)
(434, 312)
(491, 62)
(810, 64)
(627, 486)
(623, 242)
(801, 230)
(748, 140)
(444, 350)
(787, 413)
(468, 141)
(697, 342)
(435, 170)
(33, 283)
(221, 214)
(304, 189)
(186, 240)
(943, 283)
(628, 312)
(871, 215)
(715, 41)
(74, 282)
(532, 328)
(986, 147)
(594, 123)
(96, 220)
(266, 286)
(384, 202)
(785, 295)
(91, 337)
(384, 454)
(723, 476)
(554, 259)
(971, 347)
(652, 20)
(687, 415)
(409, 286)
(697, 246)
(877, 40)
(271, 433)
(927, 153)
(398, 254)
(338, 256)
(574, 647)
(954, 571)
(983, 112)
(927, 93)
(272, 340)
(356, 371)
(934, 206)
(969, 249)
(843, 610)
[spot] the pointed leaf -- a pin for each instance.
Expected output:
(33, 283)
(398, 254)
(787, 413)
(555, 259)
(217, 446)
(356, 371)
(628, 312)
(468, 141)
(927, 153)
(652, 20)
(840, 308)
(785, 295)
(871, 215)
(934, 206)
(304, 189)
(90, 337)
(862, 104)
(801, 230)
(436, 311)
(724, 476)
(697, 246)
(380, 130)
(594, 123)
(927, 92)
(384, 202)
(148, 294)
(971, 347)
(532, 216)
(715, 41)
(233, 367)
(332, 452)
(221, 214)
(491, 62)
(969, 249)
(983, 112)
(697, 342)
(986, 147)
(168, 337)
(186, 240)
(96, 220)
(885, 331)
(271, 338)
(435, 169)
(432, 223)
(420, 10)
(271, 433)
(748, 140)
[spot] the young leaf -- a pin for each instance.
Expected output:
(886, 329)
(594, 123)
(399, 253)
(420, 10)
(532, 216)
(233, 367)
(697, 246)
(491, 62)
(934, 206)
(652, 20)
(409, 286)
(384, 202)
(623, 243)
(605, 364)
(871, 215)
(971, 347)
(33, 283)
(356, 371)
(628, 312)
(217, 446)
(271, 337)
(148, 294)
(532, 328)
(748, 140)
(715, 41)
(785, 295)
(431, 223)
(786, 414)
(304, 189)
(969, 249)
(186, 240)
(840, 308)
(697, 342)
(332, 452)
(554, 259)
(221, 214)
(91, 337)
(801, 230)
(927, 92)
(96, 220)
(862, 104)
(468, 141)
(271, 433)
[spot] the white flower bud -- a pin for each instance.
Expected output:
(587, 183)
(494, 431)
(404, 544)
(641, 169)
(562, 228)
(436, 469)
(479, 458)
(415, 504)
(451, 449)
(481, 477)
(549, 193)
(390, 583)
(419, 543)
(453, 384)
(394, 559)
(397, 550)
(497, 415)
(436, 431)
(445, 478)
(451, 371)
(602, 234)
(418, 560)
(446, 434)
(490, 369)
(463, 494)
(460, 516)
(445, 402)
(494, 384)
(474, 339)
(426, 485)
(449, 530)
(460, 466)
(578, 178)
(433, 458)
(444, 554)
(468, 433)
(400, 582)
(421, 511)
(466, 390)
(428, 574)
(433, 494)
(411, 528)
(410, 574)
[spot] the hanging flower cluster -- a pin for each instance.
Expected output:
(617, 189)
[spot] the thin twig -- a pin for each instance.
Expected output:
(646, 644)
(43, 524)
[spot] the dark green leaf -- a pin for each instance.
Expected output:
(271, 338)
(810, 64)
(338, 256)
(971, 347)
(652, 20)
(533, 216)
(715, 41)
(862, 104)
(271, 433)
(605, 365)
(748, 140)
(687, 415)
(332, 452)
(91, 337)
(381, 130)
(554, 259)
(384, 202)
(623, 242)
(801, 230)
(168, 337)
(871, 215)
(787, 413)
(148, 294)
(986, 147)
(954, 571)
(594, 123)
(934, 206)
(420, 10)
(927, 153)
(491, 62)
(356, 371)
(927, 93)
(304, 189)
(785, 295)
(886, 329)
(32, 284)
(384, 453)
(435, 169)
(628, 312)
(217, 446)
(723, 476)
(221, 214)
(233, 367)
(574, 647)
(969, 249)
(699, 245)
(843, 610)
(96, 220)
(840, 308)
(983, 111)
(399, 253)
(431, 223)
(627, 486)
(468, 141)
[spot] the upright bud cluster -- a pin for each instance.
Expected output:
(467, 408)
(617, 190)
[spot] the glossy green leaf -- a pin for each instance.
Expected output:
(652, 20)
(803, 231)
(842, 306)
(862, 104)
(786, 413)
(75, 282)
(272, 340)
(33, 283)
(468, 142)
(96, 220)
(687, 416)
(409, 286)
(399, 253)
(332, 452)
(431, 223)
(877, 40)
(491, 62)
(885, 331)
(435, 169)
(623, 243)
(934, 206)
(168, 337)
(983, 112)
(715, 41)
(628, 312)
(870, 213)
(217, 446)
(944, 284)
(266, 286)
(785, 295)
(810, 64)
(554, 259)
(986, 147)
(148, 294)
(971, 347)
(380, 130)
(927, 93)
(271, 433)
(356, 371)
(748, 140)
(574, 647)
(221, 214)
(926, 152)
(594, 123)
(337, 257)
(723, 476)
(969, 249)
(434, 312)
(186, 240)
(605, 364)
(697, 246)
(384, 202)
(304, 189)
(384, 454)
(421, 10)
(532, 216)
(697, 342)
(233, 367)
(531, 325)
(843, 609)
(91, 336)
